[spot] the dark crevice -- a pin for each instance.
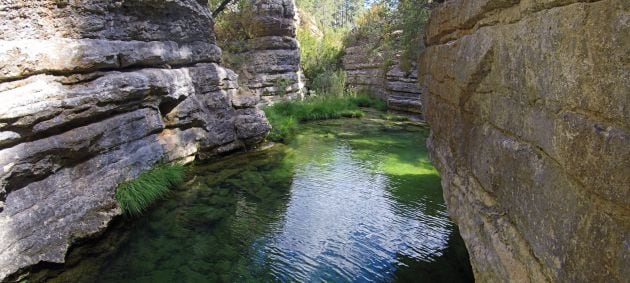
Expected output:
(27, 135)
(62, 158)
(125, 69)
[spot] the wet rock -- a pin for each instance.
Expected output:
(101, 92)
(530, 115)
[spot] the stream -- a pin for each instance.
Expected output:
(349, 200)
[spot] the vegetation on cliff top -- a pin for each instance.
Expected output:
(137, 195)
(393, 28)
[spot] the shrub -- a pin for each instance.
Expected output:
(364, 100)
(330, 83)
(236, 22)
(320, 58)
(136, 195)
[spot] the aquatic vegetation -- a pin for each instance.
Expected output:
(394, 117)
(286, 116)
(362, 99)
(136, 195)
(263, 216)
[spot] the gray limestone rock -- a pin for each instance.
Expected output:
(100, 92)
(268, 60)
(369, 71)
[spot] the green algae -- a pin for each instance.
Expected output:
(250, 217)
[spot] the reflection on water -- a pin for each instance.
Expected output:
(348, 200)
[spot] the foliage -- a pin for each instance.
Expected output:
(333, 14)
(329, 82)
(393, 117)
(286, 116)
(282, 84)
(136, 195)
(321, 60)
(371, 27)
(364, 100)
(236, 23)
(412, 19)
(393, 28)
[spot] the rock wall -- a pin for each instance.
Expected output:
(268, 59)
(370, 71)
(94, 92)
(529, 106)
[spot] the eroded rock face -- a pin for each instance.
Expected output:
(94, 92)
(529, 105)
(268, 59)
(382, 77)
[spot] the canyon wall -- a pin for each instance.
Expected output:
(382, 77)
(94, 92)
(265, 51)
(529, 107)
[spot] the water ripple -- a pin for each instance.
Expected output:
(340, 225)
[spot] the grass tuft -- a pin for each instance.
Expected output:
(286, 116)
(394, 117)
(136, 195)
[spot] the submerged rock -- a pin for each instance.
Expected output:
(92, 94)
(529, 106)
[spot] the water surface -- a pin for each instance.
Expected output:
(347, 201)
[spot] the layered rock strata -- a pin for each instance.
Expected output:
(382, 78)
(529, 106)
(92, 94)
(268, 59)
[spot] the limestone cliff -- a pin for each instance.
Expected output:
(529, 106)
(93, 92)
(263, 49)
(382, 77)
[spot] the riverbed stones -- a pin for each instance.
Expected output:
(529, 106)
(93, 93)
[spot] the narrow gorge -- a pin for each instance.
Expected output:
(315, 141)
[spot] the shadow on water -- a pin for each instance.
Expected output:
(345, 202)
(451, 266)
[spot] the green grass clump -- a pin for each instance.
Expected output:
(286, 116)
(393, 117)
(136, 195)
(363, 100)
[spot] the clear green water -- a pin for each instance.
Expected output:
(347, 201)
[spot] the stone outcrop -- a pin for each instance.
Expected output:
(94, 92)
(267, 58)
(382, 77)
(529, 106)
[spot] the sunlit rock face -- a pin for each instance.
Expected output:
(529, 105)
(371, 71)
(267, 58)
(92, 93)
